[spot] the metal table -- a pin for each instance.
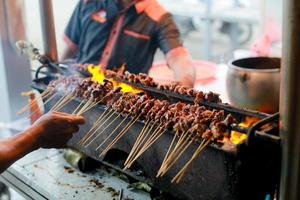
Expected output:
(44, 174)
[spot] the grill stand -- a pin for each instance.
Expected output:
(290, 102)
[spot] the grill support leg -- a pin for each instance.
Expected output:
(290, 102)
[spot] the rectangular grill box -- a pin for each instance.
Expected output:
(249, 170)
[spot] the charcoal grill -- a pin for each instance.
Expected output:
(255, 162)
(249, 170)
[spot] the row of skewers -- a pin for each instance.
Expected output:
(148, 81)
(189, 122)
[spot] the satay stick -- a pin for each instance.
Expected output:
(176, 153)
(99, 125)
(78, 107)
(188, 165)
(153, 138)
(37, 109)
(168, 152)
(120, 135)
(91, 106)
(137, 140)
(102, 131)
(179, 142)
(50, 98)
(138, 143)
(88, 103)
(88, 107)
(112, 132)
(143, 138)
(27, 106)
(180, 145)
(147, 145)
(180, 174)
(93, 127)
(174, 159)
(177, 156)
(142, 142)
(46, 95)
(106, 118)
(58, 102)
(66, 101)
(45, 92)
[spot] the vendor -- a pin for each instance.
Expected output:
(117, 32)
(52, 130)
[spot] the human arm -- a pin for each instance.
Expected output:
(177, 57)
(180, 62)
(52, 130)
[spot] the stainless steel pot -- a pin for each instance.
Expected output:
(254, 83)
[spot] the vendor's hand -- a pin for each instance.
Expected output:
(187, 81)
(53, 130)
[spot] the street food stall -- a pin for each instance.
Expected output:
(170, 141)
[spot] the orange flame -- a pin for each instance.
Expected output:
(98, 75)
(237, 137)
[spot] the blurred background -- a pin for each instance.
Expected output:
(212, 30)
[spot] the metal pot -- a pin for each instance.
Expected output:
(254, 83)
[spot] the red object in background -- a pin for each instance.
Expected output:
(35, 111)
(205, 72)
(272, 33)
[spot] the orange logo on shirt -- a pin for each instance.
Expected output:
(99, 16)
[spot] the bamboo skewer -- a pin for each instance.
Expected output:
(77, 108)
(174, 160)
(88, 103)
(98, 125)
(95, 125)
(168, 152)
(64, 103)
(147, 145)
(58, 102)
(180, 174)
(145, 127)
(102, 131)
(120, 134)
(112, 132)
(27, 106)
(90, 107)
(175, 154)
(142, 136)
(140, 146)
(152, 139)
(35, 111)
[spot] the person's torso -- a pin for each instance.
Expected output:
(134, 44)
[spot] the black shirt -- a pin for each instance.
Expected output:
(102, 33)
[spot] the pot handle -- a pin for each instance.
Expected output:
(259, 124)
(244, 76)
